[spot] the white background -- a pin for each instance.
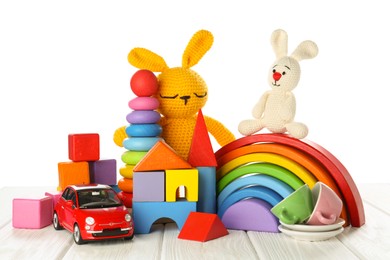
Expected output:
(64, 69)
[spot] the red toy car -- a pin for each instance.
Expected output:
(92, 212)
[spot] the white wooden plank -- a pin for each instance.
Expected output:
(372, 240)
(44, 243)
(234, 246)
(280, 246)
(145, 246)
(376, 194)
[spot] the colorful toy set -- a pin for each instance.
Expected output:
(171, 170)
(143, 130)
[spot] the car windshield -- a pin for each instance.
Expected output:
(98, 198)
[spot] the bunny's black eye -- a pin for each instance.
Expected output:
(170, 97)
(274, 70)
(200, 96)
(283, 73)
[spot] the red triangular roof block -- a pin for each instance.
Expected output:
(161, 157)
(202, 227)
(201, 151)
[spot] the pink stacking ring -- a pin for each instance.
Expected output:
(143, 117)
(144, 103)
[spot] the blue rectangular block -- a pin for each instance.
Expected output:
(146, 213)
(207, 190)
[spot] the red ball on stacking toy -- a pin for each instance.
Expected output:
(144, 83)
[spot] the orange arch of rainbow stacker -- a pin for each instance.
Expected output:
(319, 162)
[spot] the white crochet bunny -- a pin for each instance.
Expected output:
(276, 108)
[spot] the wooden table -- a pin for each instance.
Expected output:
(371, 241)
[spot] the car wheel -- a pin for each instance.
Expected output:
(77, 235)
(129, 237)
(56, 222)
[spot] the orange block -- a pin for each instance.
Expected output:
(73, 173)
(201, 151)
(161, 157)
(202, 227)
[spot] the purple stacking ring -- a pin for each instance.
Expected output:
(143, 117)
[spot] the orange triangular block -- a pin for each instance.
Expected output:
(161, 157)
(201, 151)
(202, 227)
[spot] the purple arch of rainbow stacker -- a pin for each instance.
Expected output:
(259, 192)
(324, 166)
(265, 190)
(251, 214)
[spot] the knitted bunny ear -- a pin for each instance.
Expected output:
(144, 59)
(305, 50)
(197, 47)
(279, 43)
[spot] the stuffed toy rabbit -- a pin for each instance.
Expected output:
(276, 108)
(181, 93)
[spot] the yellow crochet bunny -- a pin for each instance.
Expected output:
(182, 92)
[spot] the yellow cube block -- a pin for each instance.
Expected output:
(181, 177)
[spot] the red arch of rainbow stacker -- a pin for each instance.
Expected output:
(324, 166)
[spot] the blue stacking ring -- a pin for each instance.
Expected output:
(143, 130)
(140, 143)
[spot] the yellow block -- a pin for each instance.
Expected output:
(181, 177)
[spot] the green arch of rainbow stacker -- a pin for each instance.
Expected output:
(313, 161)
(260, 168)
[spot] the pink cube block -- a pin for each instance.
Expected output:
(55, 196)
(32, 213)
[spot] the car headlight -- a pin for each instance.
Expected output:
(90, 221)
(127, 217)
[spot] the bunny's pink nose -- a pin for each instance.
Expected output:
(276, 76)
